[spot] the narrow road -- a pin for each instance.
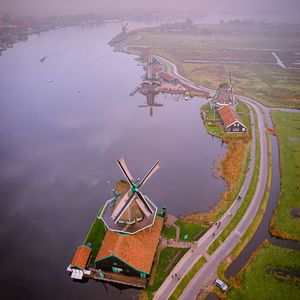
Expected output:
(192, 256)
(194, 287)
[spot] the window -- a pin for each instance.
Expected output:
(117, 270)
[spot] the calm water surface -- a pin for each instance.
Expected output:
(59, 144)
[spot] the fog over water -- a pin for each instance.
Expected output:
(66, 120)
(270, 10)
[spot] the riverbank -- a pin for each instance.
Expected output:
(256, 279)
(231, 167)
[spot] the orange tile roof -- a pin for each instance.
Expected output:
(166, 76)
(137, 250)
(228, 115)
(81, 257)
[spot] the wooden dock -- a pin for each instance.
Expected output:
(119, 278)
(134, 91)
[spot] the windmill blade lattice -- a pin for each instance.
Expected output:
(133, 194)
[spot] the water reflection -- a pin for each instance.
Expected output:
(59, 148)
(151, 103)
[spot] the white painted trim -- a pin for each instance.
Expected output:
(237, 122)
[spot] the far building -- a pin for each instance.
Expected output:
(231, 120)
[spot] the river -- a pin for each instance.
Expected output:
(64, 123)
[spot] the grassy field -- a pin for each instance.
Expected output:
(169, 232)
(190, 229)
(257, 282)
(166, 256)
(95, 236)
(187, 278)
(288, 127)
(205, 60)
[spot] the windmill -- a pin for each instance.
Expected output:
(230, 90)
(131, 211)
(125, 29)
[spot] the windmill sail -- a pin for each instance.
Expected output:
(149, 174)
(123, 207)
(143, 207)
(125, 171)
(144, 202)
(120, 205)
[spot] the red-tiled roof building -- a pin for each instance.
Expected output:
(131, 255)
(231, 120)
(81, 257)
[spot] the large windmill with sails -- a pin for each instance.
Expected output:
(130, 211)
(224, 95)
(133, 231)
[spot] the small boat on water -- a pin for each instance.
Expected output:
(186, 96)
(42, 58)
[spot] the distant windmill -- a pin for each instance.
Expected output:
(230, 89)
(125, 29)
(131, 211)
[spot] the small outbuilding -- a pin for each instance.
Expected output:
(231, 120)
(81, 258)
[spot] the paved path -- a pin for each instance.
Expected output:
(227, 246)
(175, 244)
(192, 290)
(170, 221)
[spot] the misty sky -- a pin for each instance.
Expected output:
(282, 9)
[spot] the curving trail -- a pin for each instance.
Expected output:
(206, 273)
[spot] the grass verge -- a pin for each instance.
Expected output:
(187, 278)
(169, 232)
(96, 235)
(166, 256)
(191, 230)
